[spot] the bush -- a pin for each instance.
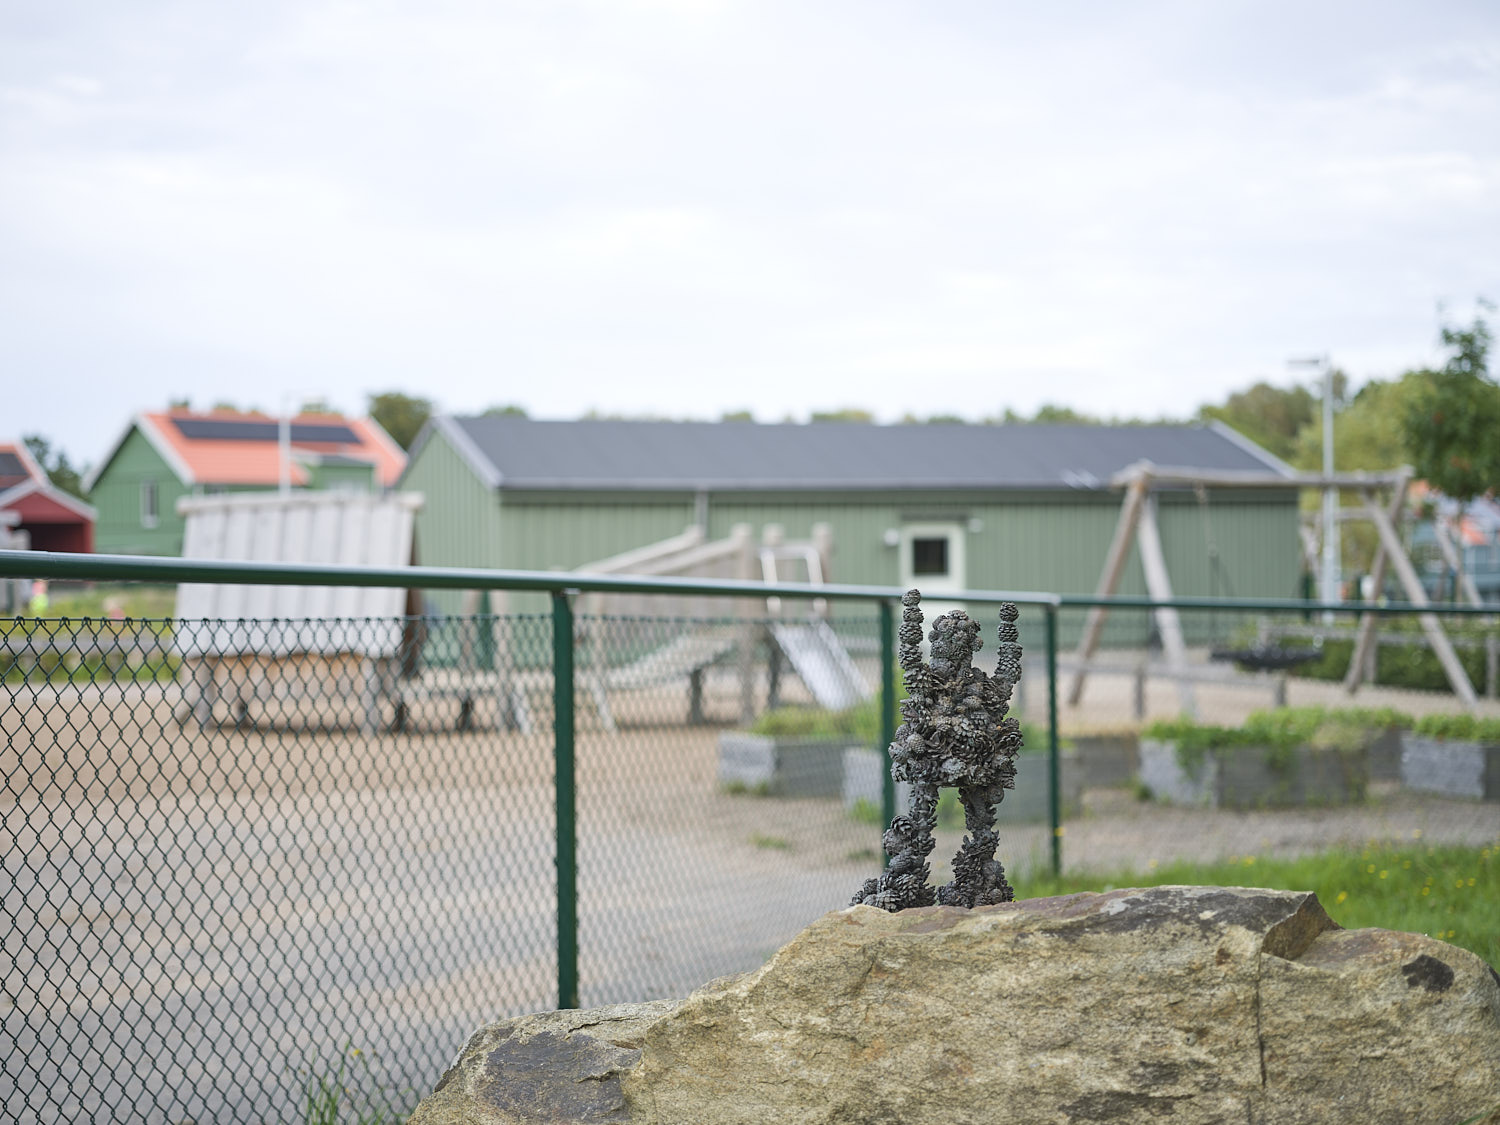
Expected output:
(1412, 665)
(1280, 730)
(1465, 728)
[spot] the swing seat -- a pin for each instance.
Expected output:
(1266, 658)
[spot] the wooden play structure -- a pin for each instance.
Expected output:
(1138, 524)
(678, 638)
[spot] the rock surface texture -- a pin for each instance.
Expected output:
(1176, 1004)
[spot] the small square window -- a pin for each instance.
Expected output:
(929, 556)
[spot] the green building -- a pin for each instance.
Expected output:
(942, 507)
(163, 456)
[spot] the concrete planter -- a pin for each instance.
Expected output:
(1026, 804)
(782, 767)
(1451, 767)
(1243, 777)
(1385, 754)
(1108, 759)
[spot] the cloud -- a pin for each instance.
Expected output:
(686, 207)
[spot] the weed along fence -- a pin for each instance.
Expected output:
(246, 858)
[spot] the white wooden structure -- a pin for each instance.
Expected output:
(246, 642)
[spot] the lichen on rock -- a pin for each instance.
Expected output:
(956, 734)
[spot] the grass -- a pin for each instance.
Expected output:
(50, 668)
(133, 599)
(351, 1095)
(771, 843)
(1451, 893)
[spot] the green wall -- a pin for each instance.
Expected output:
(1052, 541)
(117, 496)
(360, 478)
(459, 521)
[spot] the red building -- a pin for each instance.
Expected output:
(29, 502)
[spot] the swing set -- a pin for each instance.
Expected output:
(1138, 524)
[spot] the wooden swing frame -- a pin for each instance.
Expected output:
(1138, 523)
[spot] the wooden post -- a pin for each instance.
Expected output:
(1159, 586)
(745, 554)
(1109, 578)
(1362, 659)
(1452, 557)
(372, 693)
(204, 690)
(1442, 647)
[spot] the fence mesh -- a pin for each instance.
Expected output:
(244, 858)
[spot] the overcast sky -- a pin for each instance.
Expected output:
(686, 207)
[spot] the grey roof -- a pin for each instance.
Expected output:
(523, 453)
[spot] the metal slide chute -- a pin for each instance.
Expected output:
(715, 630)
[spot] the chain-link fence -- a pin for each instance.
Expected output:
(1206, 733)
(237, 851)
(245, 859)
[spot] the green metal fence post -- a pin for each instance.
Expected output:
(1054, 752)
(887, 712)
(567, 825)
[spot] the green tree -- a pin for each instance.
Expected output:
(1451, 419)
(1275, 418)
(846, 414)
(737, 416)
(400, 415)
(508, 410)
(1049, 414)
(59, 469)
(1367, 430)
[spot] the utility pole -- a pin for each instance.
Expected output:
(284, 446)
(1328, 579)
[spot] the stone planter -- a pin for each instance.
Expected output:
(1107, 759)
(1026, 804)
(1244, 777)
(1452, 767)
(782, 767)
(1385, 754)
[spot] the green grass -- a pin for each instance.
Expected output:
(772, 843)
(51, 669)
(350, 1095)
(1452, 893)
(133, 599)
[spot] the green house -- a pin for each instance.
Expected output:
(162, 457)
(942, 507)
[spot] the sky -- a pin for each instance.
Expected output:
(686, 207)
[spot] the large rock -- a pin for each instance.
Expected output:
(1189, 1004)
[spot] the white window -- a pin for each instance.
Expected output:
(148, 503)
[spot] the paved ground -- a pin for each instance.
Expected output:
(190, 916)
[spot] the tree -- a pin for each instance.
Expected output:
(1275, 418)
(1049, 414)
(57, 466)
(737, 416)
(1451, 419)
(846, 414)
(509, 410)
(400, 415)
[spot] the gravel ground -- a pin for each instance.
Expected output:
(191, 915)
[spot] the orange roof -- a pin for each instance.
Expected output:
(225, 447)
